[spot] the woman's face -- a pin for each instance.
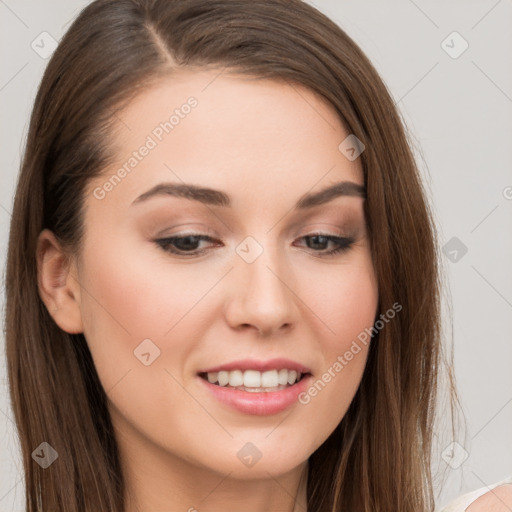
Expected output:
(260, 285)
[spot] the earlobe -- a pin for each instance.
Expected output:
(59, 289)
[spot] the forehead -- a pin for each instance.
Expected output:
(239, 133)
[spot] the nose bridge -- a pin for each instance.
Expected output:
(263, 296)
(260, 266)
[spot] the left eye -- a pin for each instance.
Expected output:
(188, 245)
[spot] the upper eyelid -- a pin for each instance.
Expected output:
(346, 228)
(216, 238)
(345, 218)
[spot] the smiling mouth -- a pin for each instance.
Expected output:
(253, 380)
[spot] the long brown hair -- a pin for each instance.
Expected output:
(379, 456)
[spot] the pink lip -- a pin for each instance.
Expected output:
(253, 364)
(259, 404)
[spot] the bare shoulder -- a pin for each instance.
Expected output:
(498, 499)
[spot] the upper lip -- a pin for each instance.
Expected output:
(254, 364)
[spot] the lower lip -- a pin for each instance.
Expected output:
(258, 403)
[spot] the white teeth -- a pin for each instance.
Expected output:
(270, 379)
(236, 378)
(252, 379)
(282, 377)
(223, 378)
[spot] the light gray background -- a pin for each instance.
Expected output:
(459, 112)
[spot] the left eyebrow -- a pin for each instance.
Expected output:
(214, 197)
(343, 188)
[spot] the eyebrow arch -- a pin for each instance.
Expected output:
(217, 198)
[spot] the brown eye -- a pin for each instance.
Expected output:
(188, 245)
(319, 242)
(184, 245)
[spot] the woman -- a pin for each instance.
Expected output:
(222, 280)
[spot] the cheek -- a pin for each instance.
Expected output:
(344, 300)
(350, 310)
(345, 304)
(129, 296)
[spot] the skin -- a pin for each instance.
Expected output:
(498, 499)
(265, 144)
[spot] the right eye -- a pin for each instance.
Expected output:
(184, 245)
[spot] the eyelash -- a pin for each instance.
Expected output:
(344, 244)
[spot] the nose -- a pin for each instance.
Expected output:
(262, 296)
